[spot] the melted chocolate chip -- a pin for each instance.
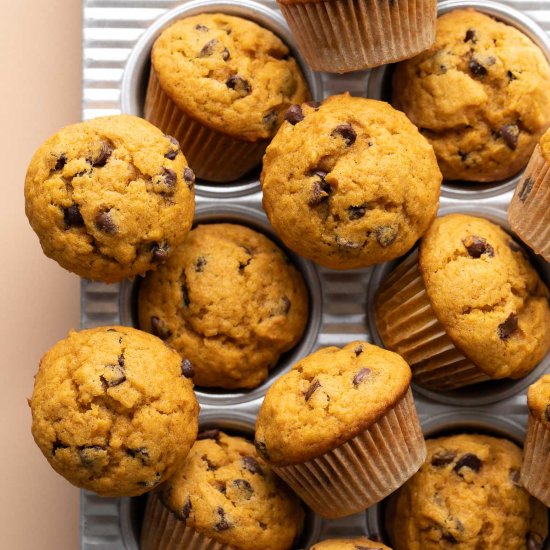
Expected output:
(72, 216)
(121, 360)
(200, 263)
(170, 177)
(208, 48)
(89, 454)
(186, 510)
(252, 465)
(347, 132)
(477, 246)
(114, 376)
(386, 234)
(534, 541)
(225, 54)
(294, 114)
(525, 189)
(442, 458)
(320, 190)
(514, 476)
(160, 253)
(509, 134)
(509, 326)
(245, 487)
(159, 328)
(448, 537)
(210, 434)
(142, 454)
(61, 161)
(360, 376)
(468, 460)
(358, 350)
(270, 120)
(239, 84)
(57, 444)
(105, 223)
(471, 36)
(476, 68)
(189, 177)
(201, 28)
(210, 466)
(187, 369)
(222, 524)
(511, 76)
(356, 212)
(172, 153)
(185, 295)
(463, 156)
(262, 525)
(104, 155)
(261, 447)
(311, 390)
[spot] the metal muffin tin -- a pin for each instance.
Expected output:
(117, 38)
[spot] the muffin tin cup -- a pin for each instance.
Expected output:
(529, 212)
(340, 36)
(535, 470)
(379, 87)
(365, 469)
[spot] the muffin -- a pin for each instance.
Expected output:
(382, 32)
(109, 198)
(112, 411)
(467, 495)
(468, 307)
(221, 85)
(341, 458)
(223, 497)
(361, 543)
(535, 471)
(529, 210)
(479, 94)
(229, 301)
(349, 183)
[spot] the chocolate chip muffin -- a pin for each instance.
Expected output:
(467, 495)
(109, 198)
(361, 543)
(349, 183)
(112, 410)
(479, 95)
(221, 85)
(224, 494)
(468, 308)
(535, 470)
(229, 301)
(340, 457)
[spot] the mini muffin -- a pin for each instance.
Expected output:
(349, 183)
(479, 94)
(382, 32)
(221, 85)
(535, 471)
(466, 496)
(361, 543)
(468, 307)
(112, 411)
(109, 198)
(229, 301)
(223, 497)
(341, 428)
(529, 212)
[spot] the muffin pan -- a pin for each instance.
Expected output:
(118, 36)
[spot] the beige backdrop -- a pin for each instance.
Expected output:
(40, 91)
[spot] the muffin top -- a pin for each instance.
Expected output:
(109, 198)
(314, 408)
(479, 94)
(225, 491)
(466, 496)
(538, 398)
(361, 543)
(229, 74)
(484, 291)
(545, 145)
(112, 412)
(349, 183)
(229, 301)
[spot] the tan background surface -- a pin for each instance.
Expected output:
(40, 91)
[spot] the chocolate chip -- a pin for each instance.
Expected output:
(313, 104)
(245, 487)
(208, 48)
(471, 36)
(511, 76)
(347, 132)
(252, 465)
(239, 84)
(514, 476)
(72, 216)
(448, 537)
(159, 328)
(186, 510)
(284, 306)
(201, 28)
(200, 263)
(476, 68)
(88, 454)
(223, 524)
(525, 189)
(534, 541)
(104, 154)
(463, 156)
(262, 525)
(114, 376)
(320, 190)
(150, 483)
(210, 434)
(104, 223)
(358, 350)
(294, 114)
(57, 444)
(185, 295)
(121, 359)
(356, 212)
(220, 486)
(547, 413)
(61, 161)
(261, 447)
(142, 454)
(160, 253)
(189, 177)
(360, 376)
(386, 234)
(187, 369)
(442, 458)
(509, 326)
(169, 177)
(310, 391)
(476, 246)
(270, 120)
(468, 460)
(210, 466)
(225, 54)
(509, 134)
(172, 153)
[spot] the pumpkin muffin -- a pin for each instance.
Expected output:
(361, 543)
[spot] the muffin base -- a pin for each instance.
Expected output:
(163, 531)
(339, 36)
(529, 212)
(535, 470)
(365, 469)
(408, 325)
(213, 156)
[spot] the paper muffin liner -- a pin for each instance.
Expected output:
(213, 156)
(535, 470)
(163, 531)
(365, 469)
(339, 36)
(529, 212)
(408, 325)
